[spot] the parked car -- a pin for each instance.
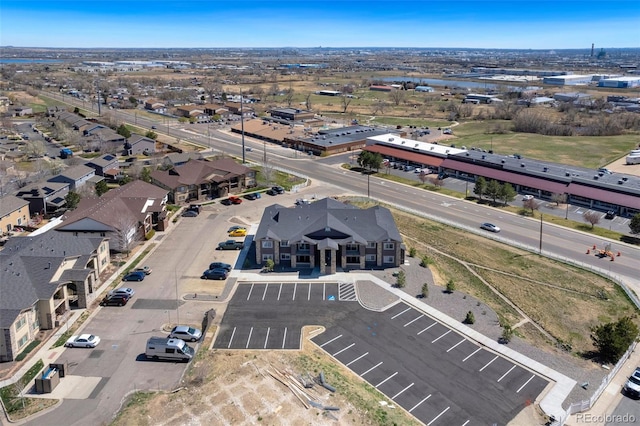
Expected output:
(144, 269)
(231, 245)
(215, 274)
(272, 191)
(154, 127)
(490, 227)
(185, 333)
(231, 200)
(610, 214)
(238, 233)
(278, 189)
(527, 198)
(129, 292)
(220, 265)
(83, 341)
(117, 300)
(134, 276)
(234, 227)
(301, 201)
(253, 196)
(632, 386)
(190, 213)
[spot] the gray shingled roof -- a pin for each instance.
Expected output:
(27, 265)
(11, 203)
(327, 219)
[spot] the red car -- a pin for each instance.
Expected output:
(235, 200)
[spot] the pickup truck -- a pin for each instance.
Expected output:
(230, 245)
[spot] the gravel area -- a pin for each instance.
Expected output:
(457, 304)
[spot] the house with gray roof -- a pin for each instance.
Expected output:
(329, 235)
(42, 278)
(76, 176)
(106, 165)
(137, 144)
(14, 211)
(44, 197)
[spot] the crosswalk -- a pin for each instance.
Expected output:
(347, 292)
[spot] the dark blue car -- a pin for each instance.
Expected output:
(134, 276)
(214, 274)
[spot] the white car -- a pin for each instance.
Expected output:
(490, 227)
(129, 292)
(632, 387)
(83, 341)
(527, 198)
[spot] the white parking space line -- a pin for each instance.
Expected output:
(233, 333)
(436, 417)
(324, 291)
(438, 338)
(295, 288)
(360, 357)
(326, 343)
(505, 374)
(471, 354)
(418, 404)
(250, 291)
(396, 395)
(309, 293)
(284, 338)
(265, 291)
(422, 331)
(342, 350)
(280, 291)
(372, 368)
(454, 346)
(489, 363)
(397, 315)
(413, 320)
(391, 376)
(526, 383)
(249, 338)
(466, 423)
(266, 339)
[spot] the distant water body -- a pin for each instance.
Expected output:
(448, 83)
(29, 61)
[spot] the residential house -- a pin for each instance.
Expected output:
(76, 176)
(330, 235)
(44, 197)
(14, 211)
(155, 106)
(179, 158)
(237, 108)
(292, 114)
(137, 144)
(199, 180)
(42, 278)
(193, 112)
(106, 165)
(213, 109)
(20, 111)
(125, 215)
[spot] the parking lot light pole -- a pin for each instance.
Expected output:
(368, 186)
(540, 247)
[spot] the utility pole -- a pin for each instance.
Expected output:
(540, 247)
(244, 160)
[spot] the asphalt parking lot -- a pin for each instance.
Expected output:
(436, 374)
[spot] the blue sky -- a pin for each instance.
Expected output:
(520, 24)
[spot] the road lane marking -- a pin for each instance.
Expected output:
(284, 338)
(360, 357)
(436, 417)
(471, 354)
(526, 383)
(326, 343)
(280, 291)
(418, 404)
(386, 379)
(394, 396)
(342, 350)
(438, 338)
(413, 320)
(266, 339)
(489, 363)
(324, 291)
(309, 293)
(420, 332)
(231, 340)
(295, 288)
(265, 291)
(454, 346)
(375, 366)
(249, 338)
(250, 290)
(505, 374)
(397, 315)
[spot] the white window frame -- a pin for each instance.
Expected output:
(351, 247)
(388, 259)
(267, 244)
(20, 323)
(285, 256)
(284, 243)
(370, 258)
(266, 257)
(23, 341)
(304, 246)
(371, 244)
(389, 246)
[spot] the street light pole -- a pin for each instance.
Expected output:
(368, 186)
(540, 247)
(244, 160)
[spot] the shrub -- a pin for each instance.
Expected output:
(22, 355)
(412, 252)
(425, 291)
(426, 261)
(150, 234)
(469, 319)
(451, 286)
(269, 265)
(401, 279)
(507, 334)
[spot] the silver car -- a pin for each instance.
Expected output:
(186, 333)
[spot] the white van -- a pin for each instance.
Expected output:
(163, 348)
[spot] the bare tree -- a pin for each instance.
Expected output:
(378, 107)
(591, 217)
(35, 148)
(558, 198)
(397, 96)
(346, 100)
(125, 230)
(288, 97)
(56, 166)
(436, 181)
(307, 101)
(531, 204)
